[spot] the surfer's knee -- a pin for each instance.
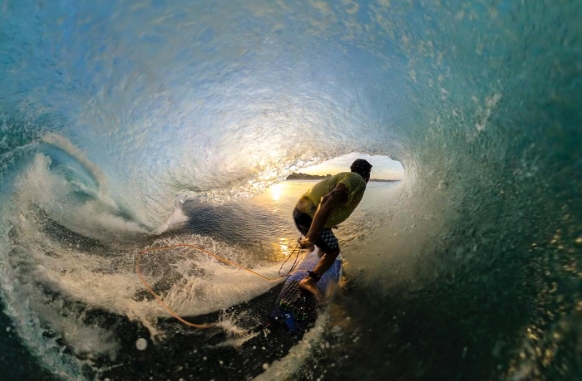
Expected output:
(332, 254)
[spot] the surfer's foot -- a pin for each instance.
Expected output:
(309, 284)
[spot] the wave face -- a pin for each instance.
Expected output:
(112, 115)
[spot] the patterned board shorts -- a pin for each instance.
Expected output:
(326, 241)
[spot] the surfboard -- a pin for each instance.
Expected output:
(296, 309)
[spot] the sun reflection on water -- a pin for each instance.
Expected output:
(276, 191)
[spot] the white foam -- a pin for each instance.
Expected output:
(91, 278)
(21, 302)
(103, 278)
(176, 219)
(53, 194)
(287, 367)
(87, 278)
(221, 286)
(236, 335)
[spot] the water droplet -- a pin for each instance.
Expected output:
(141, 344)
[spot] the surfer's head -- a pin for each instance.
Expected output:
(362, 167)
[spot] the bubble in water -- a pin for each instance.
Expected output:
(141, 344)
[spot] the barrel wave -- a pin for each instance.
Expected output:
(113, 115)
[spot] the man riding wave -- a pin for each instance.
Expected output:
(330, 202)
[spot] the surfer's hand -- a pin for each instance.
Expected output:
(305, 243)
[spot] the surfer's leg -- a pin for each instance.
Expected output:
(309, 283)
(329, 245)
(325, 262)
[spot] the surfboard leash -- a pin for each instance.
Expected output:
(227, 261)
(296, 250)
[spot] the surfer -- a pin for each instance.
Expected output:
(323, 207)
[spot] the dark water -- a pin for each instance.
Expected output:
(112, 116)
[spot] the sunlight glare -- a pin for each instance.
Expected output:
(276, 191)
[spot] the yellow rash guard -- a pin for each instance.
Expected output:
(356, 187)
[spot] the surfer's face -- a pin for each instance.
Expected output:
(364, 174)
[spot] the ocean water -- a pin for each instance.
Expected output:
(267, 217)
(146, 123)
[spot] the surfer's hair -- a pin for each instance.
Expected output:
(361, 166)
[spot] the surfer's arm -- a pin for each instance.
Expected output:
(339, 195)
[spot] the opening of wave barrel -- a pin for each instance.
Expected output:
(384, 168)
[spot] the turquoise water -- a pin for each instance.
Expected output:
(114, 117)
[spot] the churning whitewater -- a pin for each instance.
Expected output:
(144, 124)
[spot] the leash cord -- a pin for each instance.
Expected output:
(295, 250)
